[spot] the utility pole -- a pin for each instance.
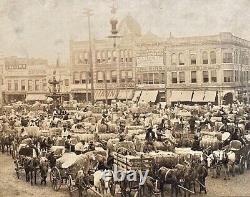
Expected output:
(88, 13)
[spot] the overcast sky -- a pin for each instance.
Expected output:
(43, 28)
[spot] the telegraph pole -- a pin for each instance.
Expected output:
(88, 13)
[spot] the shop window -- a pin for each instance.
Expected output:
(9, 85)
(113, 76)
(15, 85)
(23, 85)
(30, 85)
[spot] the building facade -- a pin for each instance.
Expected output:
(24, 79)
(207, 69)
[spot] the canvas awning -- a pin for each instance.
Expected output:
(148, 96)
(101, 94)
(125, 94)
(136, 96)
(181, 96)
(210, 96)
(198, 96)
(175, 96)
(36, 97)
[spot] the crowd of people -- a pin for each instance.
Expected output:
(158, 124)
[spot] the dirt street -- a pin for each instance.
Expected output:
(10, 186)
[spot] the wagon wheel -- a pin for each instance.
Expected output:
(242, 165)
(55, 178)
(17, 170)
(70, 183)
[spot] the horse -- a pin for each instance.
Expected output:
(43, 166)
(103, 181)
(31, 166)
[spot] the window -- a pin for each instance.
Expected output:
(23, 85)
(145, 77)
(66, 82)
(89, 77)
(30, 85)
(204, 58)
(130, 76)
(227, 58)
(182, 77)
(139, 79)
(150, 78)
(114, 56)
(193, 59)
(181, 59)
(9, 85)
(15, 85)
(36, 85)
(173, 59)
(100, 77)
(213, 76)
(83, 77)
(236, 75)
(123, 76)
(103, 56)
(98, 57)
(113, 76)
(156, 78)
(121, 56)
(205, 77)
(193, 77)
(174, 77)
(228, 75)
(212, 57)
(86, 58)
(236, 56)
(44, 82)
(76, 77)
(109, 57)
(162, 79)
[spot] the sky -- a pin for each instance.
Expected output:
(43, 28)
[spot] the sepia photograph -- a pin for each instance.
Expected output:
(124, 98)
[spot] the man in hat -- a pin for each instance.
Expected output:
(91, 146)
(68, 143)
(150, 138)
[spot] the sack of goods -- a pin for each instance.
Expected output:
(33, 131)
(163, 158)
(209, 141)
(217, 135)
(187, 152)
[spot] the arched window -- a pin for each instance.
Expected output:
(212, 57)
(204, 58)
(173, 59)
(108, 76)
(193, 59)
(181, 59)
(86, 57)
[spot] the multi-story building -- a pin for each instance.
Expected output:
(207, 68)
(24, 79)
(113, 67)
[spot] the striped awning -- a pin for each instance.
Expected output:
(136, 96)
(210, 96)
(148, 96)
(198, 96)
(125, 94)
(101, 94)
